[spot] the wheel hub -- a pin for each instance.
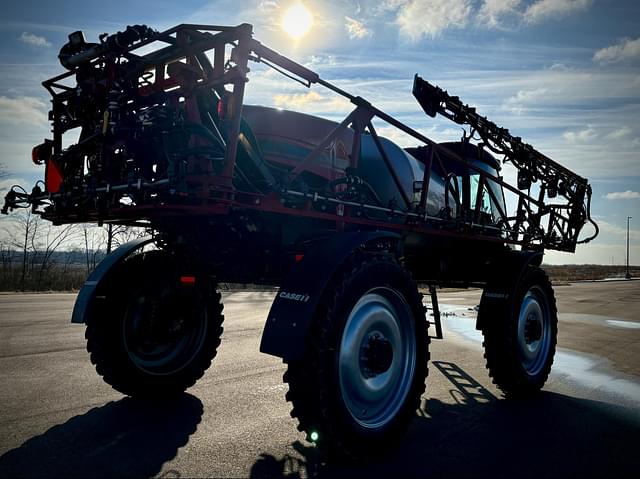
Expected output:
(534, 331)
(376, 355)
(160, 336)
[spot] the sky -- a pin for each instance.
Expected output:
(562, 74)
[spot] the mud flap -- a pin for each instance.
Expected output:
(502, 284)
(87, 293)
(297, 299)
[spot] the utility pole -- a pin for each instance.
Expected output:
(628, 275)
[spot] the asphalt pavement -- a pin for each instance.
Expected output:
(58, 419)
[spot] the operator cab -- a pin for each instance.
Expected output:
(466, 187)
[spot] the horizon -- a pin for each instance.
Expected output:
(562, 74)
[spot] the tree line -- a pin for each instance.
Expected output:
(35, 255)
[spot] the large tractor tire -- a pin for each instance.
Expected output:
(154, 335)
(363, 372)
(520, 334)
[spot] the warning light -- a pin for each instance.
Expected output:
(41, 153)
(35, 156)
(188, 279)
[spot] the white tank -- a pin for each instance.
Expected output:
(286, 137)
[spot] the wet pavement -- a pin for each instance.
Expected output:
(58, 419)
(589, 371)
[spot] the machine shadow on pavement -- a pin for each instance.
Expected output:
(477, 434)
(125, 438)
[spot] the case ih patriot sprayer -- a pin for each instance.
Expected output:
(340, 218)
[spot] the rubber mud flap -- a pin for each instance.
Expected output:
(506, 271)
(297, 299)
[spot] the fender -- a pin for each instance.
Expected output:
(98, 278)
(507, 270)
(295, 304)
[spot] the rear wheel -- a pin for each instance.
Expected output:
(365, 364)
(154, 335)
(520, 334)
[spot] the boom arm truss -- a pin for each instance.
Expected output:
(564, 220)
(196, 60)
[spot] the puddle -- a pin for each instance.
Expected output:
(623, 324)
(460, 320)
(598, 319)
(574, 367)
(582, 369)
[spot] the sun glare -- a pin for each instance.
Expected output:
(297, 21)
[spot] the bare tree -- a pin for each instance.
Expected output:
(35, 254)
(37, 241)
(47, 239)
(95, 241)
(120, 234)
(21, 236)
(6, 255)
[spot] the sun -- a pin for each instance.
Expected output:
(297, 21)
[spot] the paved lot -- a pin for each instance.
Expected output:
(57, 418)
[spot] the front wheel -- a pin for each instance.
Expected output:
(153, 334)
(520, 334)
(365, 364)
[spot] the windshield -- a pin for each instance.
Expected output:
(487, 204)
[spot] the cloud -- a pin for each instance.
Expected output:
(517, 103)
(321, 60)
(399, 137)
(7, 183)
(24, 109)
(623, 195)
(312, 102)
(627, 50)
(620, 231)
(492, 11)
(418, 19)
(544, 9)
(391, 5)
(34, 40)
(297, 100)
(580, 136)
(356, 29)
(619, 133)
(559, 67)
(422, 18)
(268, 5)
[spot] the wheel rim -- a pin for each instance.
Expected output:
(534, 331)
(162, 331)
(377, 358)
